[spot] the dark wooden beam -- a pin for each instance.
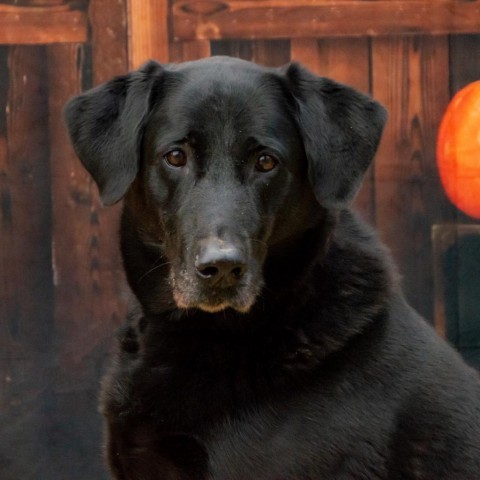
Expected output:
(42, 25)
(320, 18)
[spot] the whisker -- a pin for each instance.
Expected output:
(258, 241)
(155, 267)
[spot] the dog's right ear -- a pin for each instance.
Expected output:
(105, 126)
(341, 130)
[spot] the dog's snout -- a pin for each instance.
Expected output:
(220, 263)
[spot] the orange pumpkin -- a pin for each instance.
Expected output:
(458, 150)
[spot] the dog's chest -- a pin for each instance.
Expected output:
(189, 384)
(220, 405)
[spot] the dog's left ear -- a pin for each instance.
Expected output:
(341, 129)
(105, 126)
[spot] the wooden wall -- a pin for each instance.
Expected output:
(61, 282)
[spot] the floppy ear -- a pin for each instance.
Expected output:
(341, 129)
(105, 126)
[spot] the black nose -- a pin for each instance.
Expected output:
(220, 263)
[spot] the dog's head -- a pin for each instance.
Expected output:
(222, 162)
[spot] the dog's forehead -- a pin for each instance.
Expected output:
(220, 66)
(222, 95)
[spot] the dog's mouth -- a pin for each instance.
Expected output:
(189, 294)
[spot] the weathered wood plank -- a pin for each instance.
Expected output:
(409, 198)
(219, 19)
(42, 25)
(464, 60)
(109, 38)
(87, 274)
(189, 50)
(343, 59)
(88, 277)
(272, 53)
(72, 199)
(26, 293)
(148, 22)
(31, 3)
(233, 48)
(27, 350)
(347, 61)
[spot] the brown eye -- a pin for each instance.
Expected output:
(265, 163)
(176, 158)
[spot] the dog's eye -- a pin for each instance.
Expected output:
(176, 158)
(265, 163)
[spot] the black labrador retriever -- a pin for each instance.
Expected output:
(271, 340)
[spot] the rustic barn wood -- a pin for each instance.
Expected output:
(78, 293)
(407, 188)
(272, 53)
(189, 50)
(109, 38)
(234, 48)
(42, 25)
(464, 60)
(148, 23)
(26, 294)
(217, 19)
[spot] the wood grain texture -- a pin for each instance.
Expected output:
(148, 23)
(345, 60)
(233, 48)
(109, 39)
(464, 60)
(26, 294)
(272, 53)
(84, 301)
(27, 354)
(316, 18)
(42, 25)
(189, 50)
(409, 79)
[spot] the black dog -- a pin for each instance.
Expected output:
(272, 340)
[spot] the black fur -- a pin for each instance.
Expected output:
(310, 365)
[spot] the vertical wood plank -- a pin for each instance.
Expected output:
(88, 275)
(71, 197)
(7, 345)
(266, 52)
(343, 59)
(347, 61)
(238, 48)
(409, 198)
(26, 293)
(463, 69)
(27, 352)
(148, 36)
(272, 53)
(190, 50)
(85, 305)
(109, 39)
